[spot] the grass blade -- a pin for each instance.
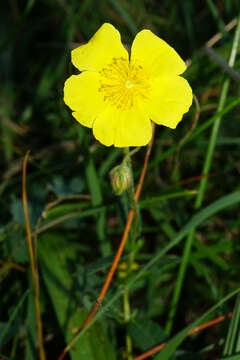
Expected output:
(174, 343)
(12, 317)
(233, 336)
(200, 129)
(202, 186)
(218, 205)
(125, 15)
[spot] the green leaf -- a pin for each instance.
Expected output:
(65, 209)
(146, 333)
(96, 193)
(16, 244)
(55, 256)
(61, 187)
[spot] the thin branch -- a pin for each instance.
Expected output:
(234, 74)
(219, 35)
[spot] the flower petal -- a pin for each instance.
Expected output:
(134, 129)
(100, 50)
(155, 55)
(122, 128)
(171, 97)
(81, 95)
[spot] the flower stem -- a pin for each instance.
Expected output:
(132, 203)
(127, 316)
(133, 206)
(117, 257)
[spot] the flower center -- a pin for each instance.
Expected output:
(128, 84)
(124, 84)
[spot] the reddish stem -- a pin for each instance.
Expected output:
(118, 253)
(193, 331)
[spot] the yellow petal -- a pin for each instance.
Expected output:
(134, 129)
(169, 99)
(82, 96)
(100, 50)
(122, 128)
(155, 55)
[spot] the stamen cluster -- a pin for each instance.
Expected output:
(124, 83)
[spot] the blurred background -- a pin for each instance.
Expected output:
(76, 220)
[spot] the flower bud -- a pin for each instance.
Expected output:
(120, 177)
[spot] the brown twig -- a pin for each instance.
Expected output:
(32, 261)
(7, 265)
(118, 253)
(219, 35)
(193, 331)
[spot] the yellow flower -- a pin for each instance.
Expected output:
(117, 96)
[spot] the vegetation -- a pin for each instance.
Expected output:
(180, 267)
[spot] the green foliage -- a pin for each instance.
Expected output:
(76, 220)
(172, 345)
(146, 333)
(56, 258)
